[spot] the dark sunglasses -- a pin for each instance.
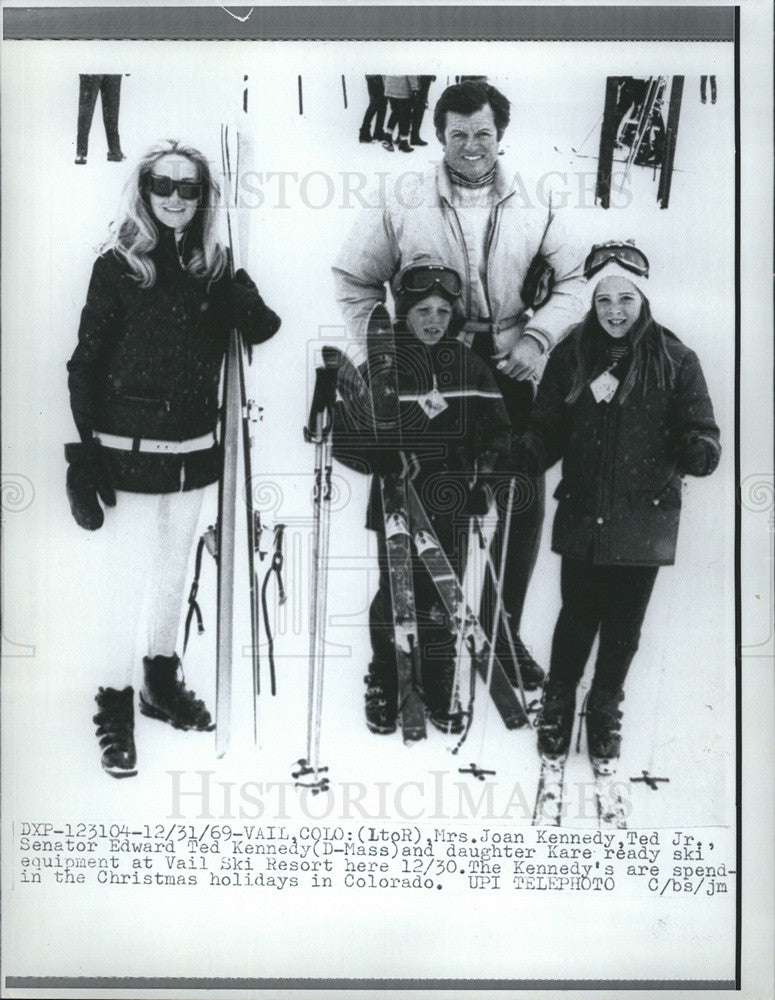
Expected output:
(627, 255)
(163, 186)
(428, 276)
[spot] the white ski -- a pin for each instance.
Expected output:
(549, 804)
(612, 808)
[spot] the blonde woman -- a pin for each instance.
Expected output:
(143, 384)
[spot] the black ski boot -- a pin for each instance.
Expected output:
(555, 723)
(604, 724)
(364, 135)
(115, 729)
(165, 697)
(449, 723)
(438, 681)
(381, 698)
(532, 675)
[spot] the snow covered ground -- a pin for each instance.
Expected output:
(679, 712)
(680, 708)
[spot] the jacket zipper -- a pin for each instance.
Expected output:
(487, 248)
(148, 401)
(462, 242)
(605, 492)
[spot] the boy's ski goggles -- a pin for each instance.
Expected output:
(430, 276)
(627, 255)
(163, 186)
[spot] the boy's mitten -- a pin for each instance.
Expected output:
(87, 478)
(524, 460)
(698, 455)
(385, 461)
(479, 500)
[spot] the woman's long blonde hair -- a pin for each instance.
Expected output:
(135, 232)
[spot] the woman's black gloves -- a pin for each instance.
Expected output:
(247, 310)
(87, 478)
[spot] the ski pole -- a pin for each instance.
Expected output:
(319, 430)
(498, 604)
(506, 625)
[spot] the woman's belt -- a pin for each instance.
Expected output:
(203, 443)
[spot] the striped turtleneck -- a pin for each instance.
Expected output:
(616, 347)
(484, 181)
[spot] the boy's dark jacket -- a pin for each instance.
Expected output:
(472, 430)
(620, 493)
(148, 362)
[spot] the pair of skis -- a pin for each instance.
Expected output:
(406, 522)
(382, 365)
(654, 91)
(549, 806)
(457, 604)
(238, 415)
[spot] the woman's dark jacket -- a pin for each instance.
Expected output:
(472, 429)
(148, 363)
(620, 493)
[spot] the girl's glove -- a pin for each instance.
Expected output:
(87, 477)
(698, 455)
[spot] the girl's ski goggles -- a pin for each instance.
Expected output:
(163, 186)
(627, 255)
(429, 276)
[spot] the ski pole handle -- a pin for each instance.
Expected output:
(321, 410)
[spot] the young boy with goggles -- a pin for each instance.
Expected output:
(455, 430)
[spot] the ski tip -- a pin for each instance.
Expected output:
(380, 317)
(518, 721)
(604, 766)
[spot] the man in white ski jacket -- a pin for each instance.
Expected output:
(490, 225)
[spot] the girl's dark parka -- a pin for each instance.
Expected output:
(622, 461)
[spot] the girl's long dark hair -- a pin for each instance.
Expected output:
(650, 356)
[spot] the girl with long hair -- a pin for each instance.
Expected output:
(624, 405)
(143, 384)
